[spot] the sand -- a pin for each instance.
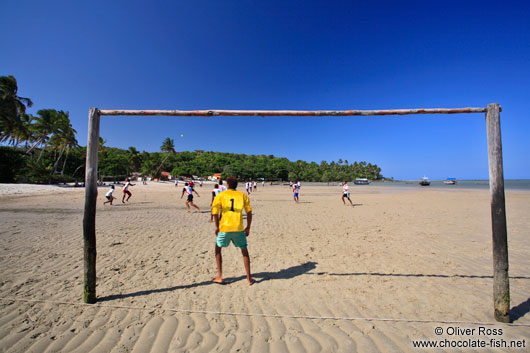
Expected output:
(402, 254)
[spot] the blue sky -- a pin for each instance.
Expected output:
(298, 55)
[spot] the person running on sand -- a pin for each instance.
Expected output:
(109, 196)
(221, 186)
(346, 193)
(189, 191)
(176, 182)
(255, 185)
(215, 192)
(126, 190)
(230, 228)
(247, 186)
(296, 191)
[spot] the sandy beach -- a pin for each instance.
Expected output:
(330, 278)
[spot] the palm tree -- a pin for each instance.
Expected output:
(133, 157)
(45, 125)
(101, 146)
(12, 108)
(168, 146)
(63, 138)
(24, 132)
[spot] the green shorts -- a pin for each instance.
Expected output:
(238, 238)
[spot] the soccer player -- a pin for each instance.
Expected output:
(346, 193)
(296, 191)
(230, 228)
(109, 196)
(215, 192)
(126, 190)
(189, 191)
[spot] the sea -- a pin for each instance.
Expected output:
(509, 184)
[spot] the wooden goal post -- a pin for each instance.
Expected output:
(501, 287)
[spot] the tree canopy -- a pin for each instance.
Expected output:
(45, 150)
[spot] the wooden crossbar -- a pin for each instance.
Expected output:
(217, 112)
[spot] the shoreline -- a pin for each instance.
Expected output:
(7, 189)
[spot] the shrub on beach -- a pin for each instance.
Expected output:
(12, 160)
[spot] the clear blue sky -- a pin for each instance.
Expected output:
(72, 55)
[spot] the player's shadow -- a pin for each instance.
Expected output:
(287, 273)
(520, 310)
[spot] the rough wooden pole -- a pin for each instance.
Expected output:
(501, 284)
(91, 195)
(215, 112)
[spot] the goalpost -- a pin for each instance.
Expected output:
(501, 287)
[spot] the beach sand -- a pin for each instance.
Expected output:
(402, 254)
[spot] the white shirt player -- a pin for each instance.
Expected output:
(216, 191)
(346, 189)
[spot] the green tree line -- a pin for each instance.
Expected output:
(43, 148)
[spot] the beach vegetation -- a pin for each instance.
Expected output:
(44, 149)
(12, 111)
(65, 161)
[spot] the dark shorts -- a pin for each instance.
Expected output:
(108, 197)
(190, 198)
(127, 192)
(346, 195)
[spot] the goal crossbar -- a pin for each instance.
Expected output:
(219, 112)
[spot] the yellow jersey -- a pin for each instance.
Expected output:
(231, 203)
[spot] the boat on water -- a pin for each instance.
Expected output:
(450, 181)
(425, 181)
(362, 181)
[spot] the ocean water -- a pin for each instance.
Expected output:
(509, 184)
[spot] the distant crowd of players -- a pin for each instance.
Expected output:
(227, 206)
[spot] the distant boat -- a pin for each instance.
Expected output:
(425, 181)
(362, 181)
(450, 181)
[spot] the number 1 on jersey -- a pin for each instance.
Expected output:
(232, 207)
